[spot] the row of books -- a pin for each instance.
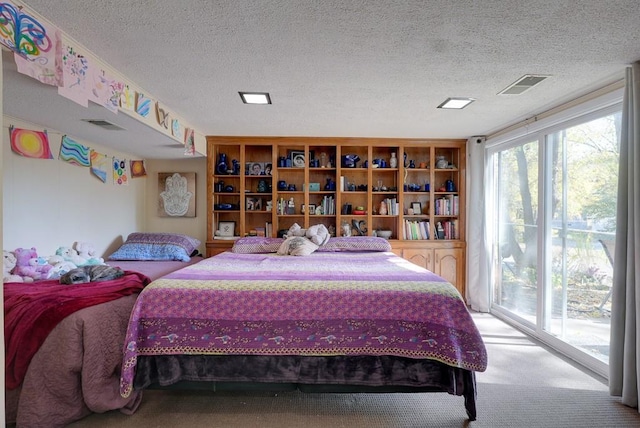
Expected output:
(392, 206)
(447, 205)
(414, 230)
(447, 230)
(328, 205)
(419, 229)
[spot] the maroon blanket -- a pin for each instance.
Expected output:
(32, 310)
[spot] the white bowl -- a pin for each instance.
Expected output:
(386, 234)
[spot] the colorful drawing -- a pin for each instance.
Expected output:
(128, 98)
(120, 172)
(21, 32)
(105, 90)
(30, 144)
(143, 104)
(163, 116)
(74, 153)
(175, 128)
(137, 169)
(47, 67)
(189, 145)
(99, 165)
(75, 71)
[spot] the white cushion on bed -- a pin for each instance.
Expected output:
(297, 246)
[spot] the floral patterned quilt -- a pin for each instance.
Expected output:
(324, 304)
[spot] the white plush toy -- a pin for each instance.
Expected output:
(88, 251)
(9, 264)
(60, 269)
(71, 255)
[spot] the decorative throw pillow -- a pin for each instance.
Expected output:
(297, 246)
(256, 245)
(156, 246)
(355, 243)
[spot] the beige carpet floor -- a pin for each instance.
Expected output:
(525, 385)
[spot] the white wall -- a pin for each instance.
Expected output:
(51, 203)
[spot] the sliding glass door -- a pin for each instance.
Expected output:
(553, 234)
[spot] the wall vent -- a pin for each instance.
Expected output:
(523, 84)
(104, 124)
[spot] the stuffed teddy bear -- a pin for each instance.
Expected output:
(88, 251)
(28, 268)
(71, 255)
(60, 266)
(9, 264)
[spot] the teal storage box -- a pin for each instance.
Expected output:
(313, 187)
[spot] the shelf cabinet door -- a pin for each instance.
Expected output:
(422, 257)
(449, 263)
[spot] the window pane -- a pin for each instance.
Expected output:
(516, 171)
(583, 211)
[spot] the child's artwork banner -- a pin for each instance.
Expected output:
(30, 144)
(74, 153)
(99, 165)
(38, 47)
(75, 73)
(120, 172)
(138, 169)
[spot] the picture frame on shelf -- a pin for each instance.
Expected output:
(253, 204)
(254, 168)
(417, 208)
(297, 158)
(226, 228)
(312, 209)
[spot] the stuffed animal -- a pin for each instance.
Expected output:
(71, 255)
(60, 266)
(9, 264)
(88, 251)
(60, 269)
(28, 268)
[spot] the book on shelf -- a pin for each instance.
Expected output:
(226, 238)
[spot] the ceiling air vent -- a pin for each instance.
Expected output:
(104, 124)
(526, 82)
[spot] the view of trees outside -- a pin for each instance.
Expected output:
(582, 169)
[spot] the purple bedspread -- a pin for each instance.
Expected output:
(324, 304)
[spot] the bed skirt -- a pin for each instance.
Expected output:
(349, 374)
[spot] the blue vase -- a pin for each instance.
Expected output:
(221, 168)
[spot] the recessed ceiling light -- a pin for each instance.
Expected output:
(456, 103)
(255, 97)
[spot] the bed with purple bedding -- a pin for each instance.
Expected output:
(366, 320)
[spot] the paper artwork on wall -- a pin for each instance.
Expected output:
(120, 172)
(75, 70)
(163, 116)
(37, 45)
(74, 153)
(177, 194)
(128, 98)
(105, 90)
(46, 67)
(99, 165)
(175, 128)
(30, 144)
(143, 104)
(189, 143)
(137, 169)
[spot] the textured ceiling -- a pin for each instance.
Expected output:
(347, 68)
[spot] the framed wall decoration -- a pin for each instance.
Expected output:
(177, 194)
(297, 158)
(226, 228)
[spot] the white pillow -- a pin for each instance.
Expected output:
(297, 246)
